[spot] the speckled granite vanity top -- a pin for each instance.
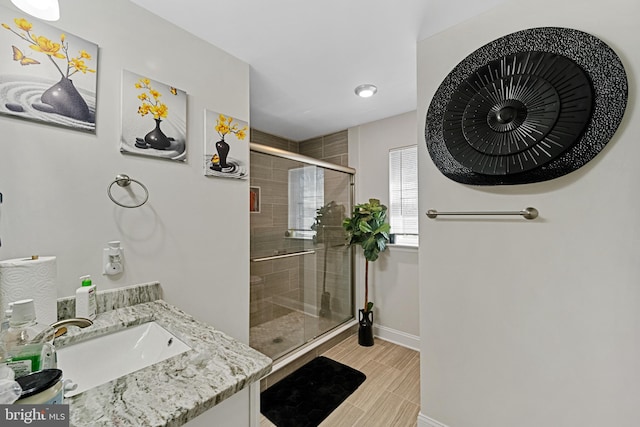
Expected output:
(171, 392)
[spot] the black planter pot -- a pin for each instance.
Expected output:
(365, 331)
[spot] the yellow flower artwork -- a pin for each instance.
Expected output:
(48, 75)
(226, 146)
(154, 118)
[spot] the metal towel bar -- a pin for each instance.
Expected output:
(526, 213)
(268, 258)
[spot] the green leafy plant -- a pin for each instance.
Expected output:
(328, 218)
(367, 227)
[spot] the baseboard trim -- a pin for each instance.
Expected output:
(397, 337)
(424, 421)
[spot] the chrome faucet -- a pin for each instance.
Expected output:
(76, 321)
(58, 328)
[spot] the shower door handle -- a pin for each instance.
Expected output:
(268, 258)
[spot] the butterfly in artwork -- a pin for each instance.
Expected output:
(19, 56)
(174, 91)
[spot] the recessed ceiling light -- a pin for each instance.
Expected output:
(366, 90)
(43, 9)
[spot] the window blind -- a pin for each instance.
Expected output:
(403, 194)
(306, 195)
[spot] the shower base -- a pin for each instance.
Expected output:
(282, 335)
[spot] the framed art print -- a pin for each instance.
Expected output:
(46, 75)
(226, 149)
(254, 199)
(154, 118)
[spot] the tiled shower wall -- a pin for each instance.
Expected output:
(282, 279)
(331, 148)
(273, 141)
(279, 277)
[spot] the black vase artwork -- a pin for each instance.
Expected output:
(153, 118)
(154, 139)
(225, 149)
(64, 99)
(52, 78)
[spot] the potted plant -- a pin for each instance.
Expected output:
(367, 227)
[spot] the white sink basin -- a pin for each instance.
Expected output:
(99, 360)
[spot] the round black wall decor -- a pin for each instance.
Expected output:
(528, 107)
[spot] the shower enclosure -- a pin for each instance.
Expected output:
(301, 283)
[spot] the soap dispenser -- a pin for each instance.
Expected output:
(86, 305)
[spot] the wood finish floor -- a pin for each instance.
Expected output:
(390, 396)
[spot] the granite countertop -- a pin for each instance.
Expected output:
(171, 392)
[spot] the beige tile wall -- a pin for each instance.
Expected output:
(267, 231)
(263, 138)
(332, 148)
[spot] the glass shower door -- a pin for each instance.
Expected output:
(327, 295)
(300, 267)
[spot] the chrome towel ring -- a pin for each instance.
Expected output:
(124, 181)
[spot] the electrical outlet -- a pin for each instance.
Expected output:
(113, 259)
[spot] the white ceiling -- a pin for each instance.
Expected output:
(307, 57)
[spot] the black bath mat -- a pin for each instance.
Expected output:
(308, 395)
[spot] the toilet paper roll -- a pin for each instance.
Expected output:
(25, 278)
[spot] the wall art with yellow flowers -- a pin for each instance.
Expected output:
(46, 75)
(226, 146)
(154, 118)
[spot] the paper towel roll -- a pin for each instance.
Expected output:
(25, 278)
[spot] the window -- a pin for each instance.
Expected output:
(306, 195)
(403, 194)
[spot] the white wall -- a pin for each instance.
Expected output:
(393, 278)
(192, 235)
(533, 323)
